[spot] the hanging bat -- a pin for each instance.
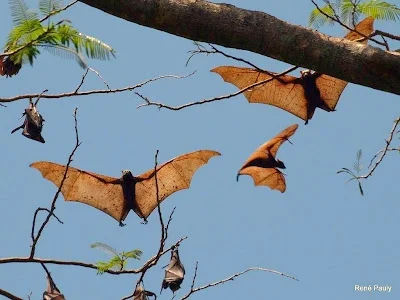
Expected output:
(33, 124)
(117, 196)
(141, 294)
(298, 96)
(8, 67)
(52, 292)
(262, 164)
(174, 273)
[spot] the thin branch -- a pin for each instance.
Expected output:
(194, 290)
(148, 102)
(8, 260)
(9, 295)
(76, 93)
(386, 34)
(36, 238)
(35, 216)
(383, 151)
(82, 80)
(58, 11)
(98, 74)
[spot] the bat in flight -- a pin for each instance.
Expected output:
(52, 292)
(117, 196)
(174, 273)
(262, 165)
(298, 96)
(33, 124)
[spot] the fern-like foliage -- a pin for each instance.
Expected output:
(357, 168)
(350, 11)
(118, 260)
(29, 35)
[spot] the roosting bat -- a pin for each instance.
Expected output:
(33, 124)
(8, 67)
(52, 292)
(174, 273)
(141, 294)
(298, 96)
(262, 164)
(117, 196)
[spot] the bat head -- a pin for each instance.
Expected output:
(127, 176)
(280, 164)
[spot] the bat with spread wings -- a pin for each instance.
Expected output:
(262, 165)
(298, 96)
(174, 273)
(117, 196)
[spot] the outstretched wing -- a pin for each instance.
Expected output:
(99, 191)
(270, 177)
(330, 87)
(272, 146)
(287, 93)
(172, 176)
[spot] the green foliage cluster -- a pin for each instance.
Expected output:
(30, 34)
(350, 11)
(118, 260)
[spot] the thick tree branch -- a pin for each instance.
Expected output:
(258, 32)
(9, 295)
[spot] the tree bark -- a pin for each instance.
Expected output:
(258, 32)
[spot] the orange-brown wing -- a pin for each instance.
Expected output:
(284, 92)
(172, 176)
(330, 87)
(270, 177)
(93, 189)
(273, 144)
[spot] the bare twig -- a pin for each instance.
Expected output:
(76, 93)
(58, 11)
(194, 290)
(9, 295)
(98, 74)
(386, 34)
(382, 152)
(82, 80)
(148, 102)
(36, 238)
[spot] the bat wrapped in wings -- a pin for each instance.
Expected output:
(33, 123)
(298, 96)
(262, 165)
(52, 292)
(117, 196)
(141, 294)
(174, 273)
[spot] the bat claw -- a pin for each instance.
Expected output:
(121, 224)
(144, 222)
(237, 177)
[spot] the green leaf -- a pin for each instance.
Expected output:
(106, 248)
(132, 254)
(317, 19)
(47, 7)
(20, 12)
(65, 52)
(380, 10)
(24, 33)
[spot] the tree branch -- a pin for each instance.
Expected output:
(9, 295)
(258, 32)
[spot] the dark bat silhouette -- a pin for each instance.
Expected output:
(262, 164)
(52, 292)
(298, 96)
(117, 196)
(33, 124)
(141, 294)
(174, 273)
(8, 67)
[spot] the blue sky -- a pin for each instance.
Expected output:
(321, 230)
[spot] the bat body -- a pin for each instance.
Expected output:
(8, 67)
(299, 96)
(33, 124)
(174, 273)
(52, 292)
(262, 165)
(141, 294)
(117, 196)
